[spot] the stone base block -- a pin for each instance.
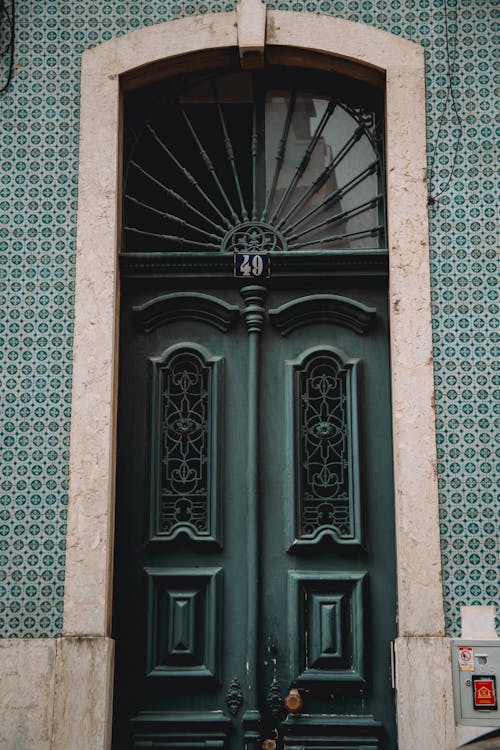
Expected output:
(424, 696)
(27, 669)
(56, 694)
(83, 699)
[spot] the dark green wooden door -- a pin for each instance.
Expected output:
(254, 520)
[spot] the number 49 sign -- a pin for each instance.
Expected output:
(252, 265)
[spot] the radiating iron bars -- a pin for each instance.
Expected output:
(173, 238)
(211, 169)
(337, 194)
(230, 155)
(187, 174)
(280, 154)
(348, 214)
(373, 232)
(322, 178)
(302, 166)
(172, 194)
(255, 142)
(172, 217)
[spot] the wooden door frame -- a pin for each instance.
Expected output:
(424, 705)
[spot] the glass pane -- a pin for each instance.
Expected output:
(216, 153)
(322, 178)
(182, 192)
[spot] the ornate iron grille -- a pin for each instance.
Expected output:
(237, 163)
(324, 459)
(185, 403)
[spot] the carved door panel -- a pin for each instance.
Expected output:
(177, 556)
(327, 532)
(254, 535)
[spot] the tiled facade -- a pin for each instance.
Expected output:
(38, 195)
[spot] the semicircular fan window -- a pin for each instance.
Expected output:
(253, 161)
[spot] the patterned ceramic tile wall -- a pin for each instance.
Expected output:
(38, 195)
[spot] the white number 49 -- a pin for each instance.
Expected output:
(251, 265)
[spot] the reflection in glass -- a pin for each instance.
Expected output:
(228, 150)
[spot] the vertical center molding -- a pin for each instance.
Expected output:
(253, 314)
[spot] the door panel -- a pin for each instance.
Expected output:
(323, 581)
(325, 416)
(177, 548)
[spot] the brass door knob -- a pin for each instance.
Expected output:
(269, 745)
(293, 702)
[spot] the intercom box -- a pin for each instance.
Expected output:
(476, 681)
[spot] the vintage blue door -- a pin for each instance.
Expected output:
(254, 567)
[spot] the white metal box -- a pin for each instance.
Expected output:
(476, 681)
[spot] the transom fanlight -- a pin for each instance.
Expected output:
(254, 161)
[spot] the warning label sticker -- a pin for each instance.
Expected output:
(466, 657)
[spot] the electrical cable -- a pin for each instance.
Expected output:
(8, 27)
(449, 96)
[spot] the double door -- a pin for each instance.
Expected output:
(254, 567)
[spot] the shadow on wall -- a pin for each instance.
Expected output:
(490, 741)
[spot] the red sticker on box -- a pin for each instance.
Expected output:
(484, 692)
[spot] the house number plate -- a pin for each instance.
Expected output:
(252, 265)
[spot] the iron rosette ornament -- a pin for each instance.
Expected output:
(253, 237)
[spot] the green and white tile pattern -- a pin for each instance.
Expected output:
(38, 200)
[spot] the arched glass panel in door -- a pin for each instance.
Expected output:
(276, 162)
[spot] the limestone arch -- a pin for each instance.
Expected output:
(194, 42)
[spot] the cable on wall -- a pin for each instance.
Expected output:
(7, 40)
(450, 96)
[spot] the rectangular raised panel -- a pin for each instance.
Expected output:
(330, 732)
(183, 627)
(189, 730)
(325, 619)
(185, 445)
(323, 413)
(326, 626)
(181, 609)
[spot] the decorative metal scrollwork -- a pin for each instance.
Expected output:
(185, 445)
(274, 700)
(224, 165)
(234, 697)
(326, 456)
(185, 406)
(324, 459)
(253, 236)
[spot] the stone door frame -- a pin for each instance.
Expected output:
(424, 705)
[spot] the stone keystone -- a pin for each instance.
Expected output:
(251, 16)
